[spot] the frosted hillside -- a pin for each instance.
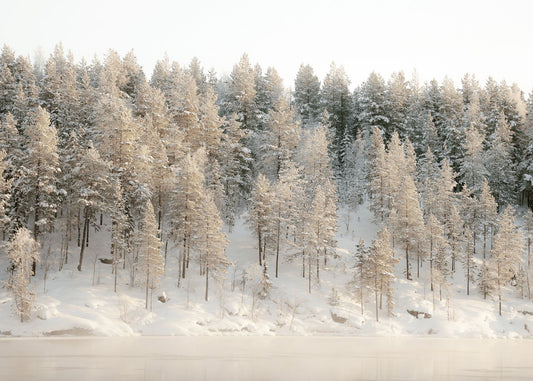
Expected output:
(72, 305)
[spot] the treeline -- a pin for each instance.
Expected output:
(177, 156)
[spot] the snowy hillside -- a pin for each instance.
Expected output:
(72, 305)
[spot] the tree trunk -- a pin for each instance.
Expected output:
(147, 283)
(78, 220)
(309, 273)
(317, 266)
(377, 309)
(468, 276)
(277, 243)
(183, 257)
(303, 264)
(206, 283)
(260, 245)
(407, 261)
(84, 236)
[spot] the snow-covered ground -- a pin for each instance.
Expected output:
(72, 305)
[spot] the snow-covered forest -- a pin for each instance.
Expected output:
(268, 201)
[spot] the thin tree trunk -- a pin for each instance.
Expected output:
(407, 261)
(84, 237)
(468, 276)
(318, 266)
(260, 245)
(377, 309)
(206, 283)
(78, 219)
(309, 273)
(147, 283)
(303, 264)
(277, 243)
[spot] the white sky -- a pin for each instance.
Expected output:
(435, 37)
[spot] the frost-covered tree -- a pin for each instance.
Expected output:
(23, 252)
(321, 229)
(242, 94)
(307, 95)
(315, 160)
(454, 233)
(210, 241)
(377, 174)
(280, 138)
(472, 170)
(408, 223)
(287, 190)
(506, 254)
(150, 261)
(93, 191)
(355, 174)
(337, 100)
(500, 165)
(380, 267)
(487, 213)
(361, 280)
(5, 191)
(185, 202)
(260, 213)
(234, 159)
(40, 169)
(371, 103)
(436, 242)
(468, 259)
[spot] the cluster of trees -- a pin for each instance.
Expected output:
(174, 158)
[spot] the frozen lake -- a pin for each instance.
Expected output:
(264, 358)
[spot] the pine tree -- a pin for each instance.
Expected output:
(210, 242)
(487, 213)
(23, 252)
(468, 259)
(454, 233)
(234, 159)
(506, 254)
(528, 232)
(500, 165)
(361, 280)
(378, 176)
(321, 228)
(336, 99)
(150, 260)
(436, 242)
(307, 95)
(371, 101)
(5, 190)
(281, 138)
(381, 270)
(315, 160)
(243, 92)
(287, 190)
(185, 203)
(92, 190)
(355, 174)
(408, 224)
(396, 103)
(260, 212)
(472, 170)
(40, 163)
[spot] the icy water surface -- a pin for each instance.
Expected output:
(264, 358)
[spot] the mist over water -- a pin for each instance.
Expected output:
(264, 358)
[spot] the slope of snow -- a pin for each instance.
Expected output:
(72, 305)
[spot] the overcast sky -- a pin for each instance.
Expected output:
(435, 37)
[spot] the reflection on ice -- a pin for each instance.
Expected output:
(264, 358)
